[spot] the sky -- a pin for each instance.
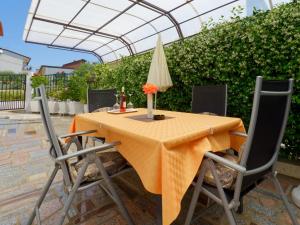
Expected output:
(13, 14)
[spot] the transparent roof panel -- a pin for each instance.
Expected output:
(184, 13)
(106, 49)
(61, 10)
(119, 5)
(110, 57)
(42, 38)
(94, 16)
(191, 27)
(162, 23)
(140, 32)
(93, 42)
(167, 5)
(143, 13)
(70, 38)
(112, 29)
(123, 24)
(44, 27)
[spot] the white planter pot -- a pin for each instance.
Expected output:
(75, 108)
(53, 107)
(296, 195)
(34, 106)
(63, 108)
(85, 108)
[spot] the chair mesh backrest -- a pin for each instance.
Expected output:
(101, 98)
(270, 120)
(56, 148)
(211, 99)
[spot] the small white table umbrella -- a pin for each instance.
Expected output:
(159, 72)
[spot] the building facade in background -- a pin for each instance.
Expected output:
(13, 62)
(66, 68)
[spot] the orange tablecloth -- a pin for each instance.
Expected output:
(166, 153)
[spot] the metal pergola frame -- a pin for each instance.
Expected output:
(122, 38)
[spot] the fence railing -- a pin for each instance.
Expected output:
(12, 91)
(57, 81)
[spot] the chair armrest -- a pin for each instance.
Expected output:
(239, 134)
(78, 133)
(86, 151)
(225, 162)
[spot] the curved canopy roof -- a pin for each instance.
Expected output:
(111, 29)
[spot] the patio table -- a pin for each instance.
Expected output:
(166, 154)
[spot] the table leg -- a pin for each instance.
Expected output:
(80, 139)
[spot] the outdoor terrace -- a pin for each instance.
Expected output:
(25, 166)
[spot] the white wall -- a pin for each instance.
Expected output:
(10, 62)
(53, 70)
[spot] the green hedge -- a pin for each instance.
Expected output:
(233, 53)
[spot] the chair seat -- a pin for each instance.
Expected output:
(113, 163)
(226, 175)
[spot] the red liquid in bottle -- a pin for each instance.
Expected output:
(123, 101)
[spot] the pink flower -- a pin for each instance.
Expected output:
(150, 88)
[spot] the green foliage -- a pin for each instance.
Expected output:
(233, 53)
(38, 80)
(76, 85)
(11, 95)
(11, 80)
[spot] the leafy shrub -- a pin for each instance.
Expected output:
(233, 53)
(38, 80)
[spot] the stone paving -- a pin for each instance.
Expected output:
(25, 167)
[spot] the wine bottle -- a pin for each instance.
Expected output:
(123, 100)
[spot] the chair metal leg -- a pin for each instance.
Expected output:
(158, 209)
(196, 194)
(113, 192)
(86, 141)
(73, 191)
(228, 211)
(44, 192)
(284, 199)
(240, 209)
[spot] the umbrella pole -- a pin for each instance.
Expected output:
(155, 101)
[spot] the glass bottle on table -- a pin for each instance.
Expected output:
(123, 100)
(116, 106)
(129, 104)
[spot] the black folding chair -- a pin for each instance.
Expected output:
(268, 121)
(210, 99)
(98, 101)
(100, 98)
(82, 169)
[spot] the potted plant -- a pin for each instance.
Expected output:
(53, 102)
(74, 94)
(63, 107)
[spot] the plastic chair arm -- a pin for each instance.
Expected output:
(87, 151)
(79, 133)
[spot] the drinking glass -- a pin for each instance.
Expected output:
(116, 105)
(130, 105)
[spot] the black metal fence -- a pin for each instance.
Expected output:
(12, 91)
(57, 81)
